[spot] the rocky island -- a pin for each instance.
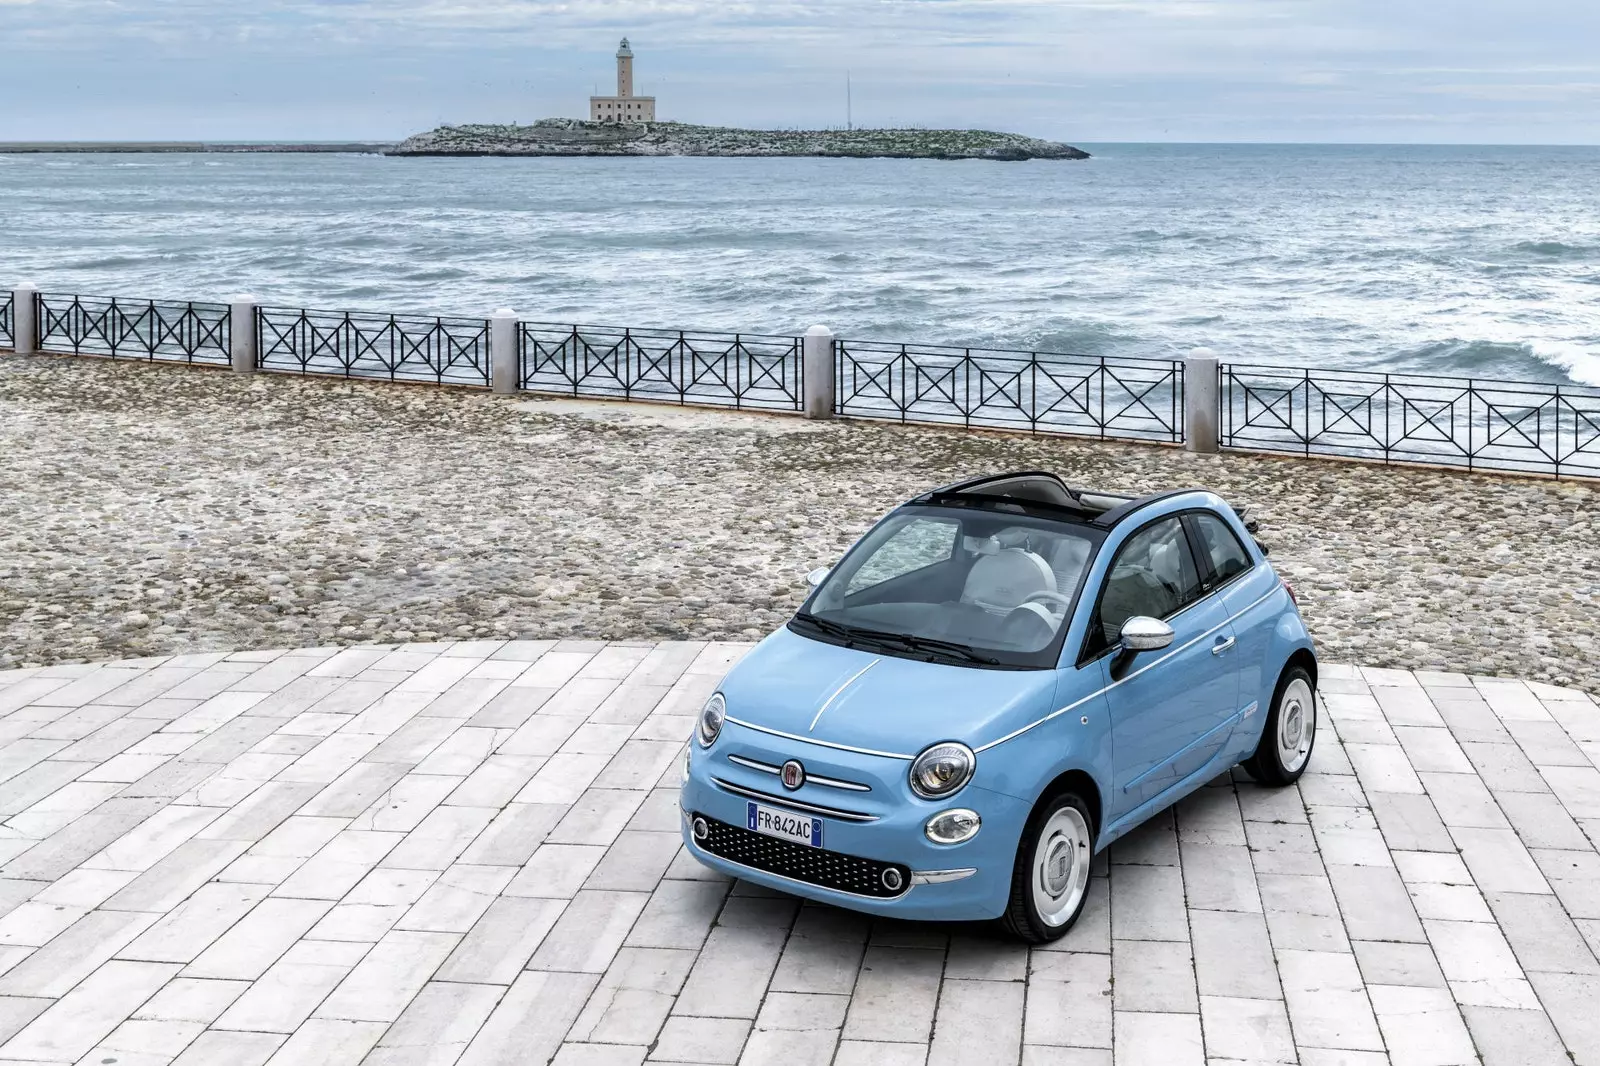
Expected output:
(559, 136)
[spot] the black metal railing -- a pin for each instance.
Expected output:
(1040, 392)
(8, 330)
(1518, 427)
(672, 366)
(156, 330)
(447, 351)
(1524, 427)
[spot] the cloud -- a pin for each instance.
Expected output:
(1125, 69)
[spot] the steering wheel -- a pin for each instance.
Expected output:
(1047, 594)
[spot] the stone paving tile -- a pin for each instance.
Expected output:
(468, 853)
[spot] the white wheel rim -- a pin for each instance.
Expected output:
(1061, 861)
(1297, 725)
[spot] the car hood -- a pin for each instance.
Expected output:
(881, 703)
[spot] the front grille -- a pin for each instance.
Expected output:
(814, 866)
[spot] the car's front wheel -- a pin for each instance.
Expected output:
(1050, 880)
(1290, 732)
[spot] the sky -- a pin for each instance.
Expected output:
(1085, 71)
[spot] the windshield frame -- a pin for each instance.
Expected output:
(824, 629)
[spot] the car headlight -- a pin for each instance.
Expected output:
(711, 716)
(942, 770)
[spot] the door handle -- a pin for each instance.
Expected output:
(1222, 645)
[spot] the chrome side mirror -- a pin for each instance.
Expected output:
(1140, 633)
(818, 576)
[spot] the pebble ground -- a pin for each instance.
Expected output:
(146, 510)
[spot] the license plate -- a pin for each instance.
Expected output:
(782, 824)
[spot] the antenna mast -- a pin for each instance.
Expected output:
(849, 116)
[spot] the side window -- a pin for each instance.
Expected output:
(920, 542)
(1227, 555)
(1153, 575)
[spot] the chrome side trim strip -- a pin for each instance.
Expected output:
(766, 768)
(814, 740)
(1149, 666)
(797, 881)
(784, 801)
(939, 877)
(811, 778)
(838, 691)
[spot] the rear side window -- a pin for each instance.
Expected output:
(1154, 576)
(1227, 556)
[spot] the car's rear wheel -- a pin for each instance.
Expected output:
(1290, 732)
(1050, 880)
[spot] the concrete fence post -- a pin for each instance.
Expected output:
(1202, 392)
(242, 334)
(505, 363)
(24, 318)
(817, 360)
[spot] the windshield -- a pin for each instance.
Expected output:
(980, 586)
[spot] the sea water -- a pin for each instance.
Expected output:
(1449, 260)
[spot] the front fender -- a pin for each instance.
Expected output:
(1075, 736)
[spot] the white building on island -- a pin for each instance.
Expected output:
(623, 107)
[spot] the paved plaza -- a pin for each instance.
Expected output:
(428, 854)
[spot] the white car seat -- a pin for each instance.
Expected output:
(1166, 564)
(1002, 581)
(1068, 561)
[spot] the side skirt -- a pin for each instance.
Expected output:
(1223, 761)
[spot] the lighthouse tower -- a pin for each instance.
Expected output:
(623, 107)
(624, 71)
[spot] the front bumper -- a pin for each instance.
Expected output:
(936, 892)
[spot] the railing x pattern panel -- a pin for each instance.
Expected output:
(8, 318)
(1040, 392)
(447, 351)
(738, 370)
(155, 330)
(1525, 427)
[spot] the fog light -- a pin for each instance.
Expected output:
(892, 880)
(699, 828)
(953, 827)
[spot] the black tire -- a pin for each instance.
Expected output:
(1267, 765)
(1022, 918)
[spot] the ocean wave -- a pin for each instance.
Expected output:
(110, 262)
(1558, 250)
(1581, 364)
(1548, 361)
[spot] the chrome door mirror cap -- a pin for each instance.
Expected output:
(817, 576)
(1140, 633)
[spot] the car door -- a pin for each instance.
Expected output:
(1170, 709)
(1245, 588)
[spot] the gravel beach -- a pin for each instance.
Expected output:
(151, 509)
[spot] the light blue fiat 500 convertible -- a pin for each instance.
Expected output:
(997, 681)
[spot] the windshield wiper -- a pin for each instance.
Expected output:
(843, 632)
(852, 635)
(930, 644)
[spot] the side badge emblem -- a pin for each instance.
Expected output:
(794, 775)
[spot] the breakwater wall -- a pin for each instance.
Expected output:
(1201, 401)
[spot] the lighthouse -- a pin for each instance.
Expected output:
(623, 107)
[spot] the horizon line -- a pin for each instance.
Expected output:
(43, 146)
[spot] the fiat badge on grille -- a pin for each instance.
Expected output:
(794, 775)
